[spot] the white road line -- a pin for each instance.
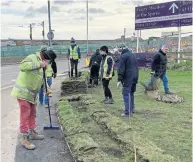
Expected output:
(6, 87)
(13, 80)
(9, 73)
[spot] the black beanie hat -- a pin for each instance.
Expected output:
(104, 48)
(49, 55)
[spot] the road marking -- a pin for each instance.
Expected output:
(6, 87)
(58, 75)
(13, 80)
(9, 73)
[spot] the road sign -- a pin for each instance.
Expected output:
(169, 14)
(50, 36)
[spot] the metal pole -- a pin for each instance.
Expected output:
(137, 41)
(43, 32)
(124, 34)
(179, 43)
(87, 24)
(49, 19)
(30, 31)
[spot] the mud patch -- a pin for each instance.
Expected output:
(114, 152)
(149, 115)
(78, 105)
(187, 124)
(85, 120)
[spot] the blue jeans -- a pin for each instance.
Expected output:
(165, 82)
(164, 79)
(128, 98)
(41, 92)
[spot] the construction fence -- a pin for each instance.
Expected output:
(150, 45)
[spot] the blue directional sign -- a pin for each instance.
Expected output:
(170, 14)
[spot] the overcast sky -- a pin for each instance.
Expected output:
(107, 18)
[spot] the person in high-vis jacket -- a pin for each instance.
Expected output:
(50, 73)
(74, 56)
(26, 88)
(106, 73)
(128, 74)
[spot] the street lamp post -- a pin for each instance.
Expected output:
(30, 35)
(30, 26)
(43, 32)
(49, 19)
(87, 24)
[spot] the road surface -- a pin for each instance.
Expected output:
(9, 72)
(11, 151)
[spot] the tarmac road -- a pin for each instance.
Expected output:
(9, 72)
(53, 147)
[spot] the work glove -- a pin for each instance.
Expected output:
(54, 75)
(152, 73)
(49, 92)
(107, 76)
(118, 84)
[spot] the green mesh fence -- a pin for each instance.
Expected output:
(144, 45)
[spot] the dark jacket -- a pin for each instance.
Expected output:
(95, 59)
(159, 63)
(78, 50)
(128, 72)
(54, 67)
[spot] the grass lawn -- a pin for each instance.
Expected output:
(157, 125)
(167, 125)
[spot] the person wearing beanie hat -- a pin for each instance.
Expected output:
(43, 48)
(94, 66)
(106, 73)
(74, 56)
(51, 71)
(25, 90)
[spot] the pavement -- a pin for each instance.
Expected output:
(53, 148)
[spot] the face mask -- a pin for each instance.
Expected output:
(102, 52)
(47, 61)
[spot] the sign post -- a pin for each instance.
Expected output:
(137, 41)
(179, 43)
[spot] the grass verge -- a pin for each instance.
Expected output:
(159, 131)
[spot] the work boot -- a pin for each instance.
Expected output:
(124, 115)
(35, 136)
(170, 93)
(106, 100)
(26, 143)
(110, 101)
